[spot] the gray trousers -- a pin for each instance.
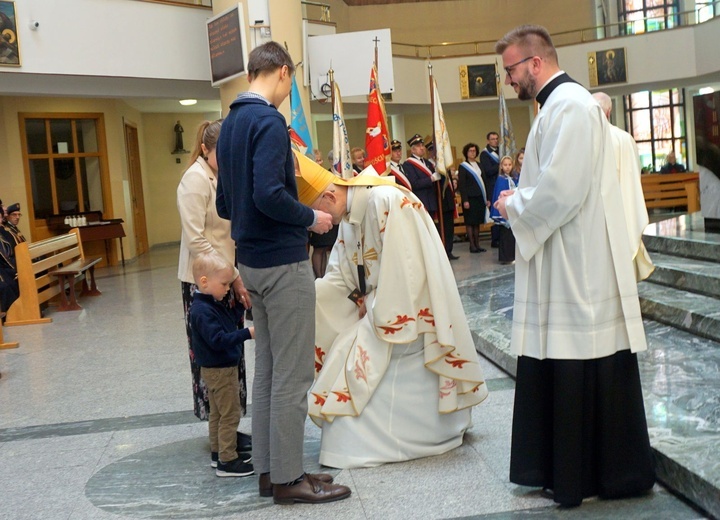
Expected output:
(283, 300)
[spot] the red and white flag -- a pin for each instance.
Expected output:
(377, 137)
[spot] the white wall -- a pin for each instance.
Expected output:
(113, 38)
(670, 58)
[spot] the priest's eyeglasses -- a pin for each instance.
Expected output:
(509, 68)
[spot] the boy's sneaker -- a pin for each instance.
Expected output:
(234, 468)
(245, 457)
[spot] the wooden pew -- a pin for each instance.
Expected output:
(6, 344)
(671, 190)
(44, 269)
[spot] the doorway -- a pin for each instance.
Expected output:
(136, 188)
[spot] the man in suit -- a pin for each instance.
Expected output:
(425, 181)
(421, 174)
(11, 222)
(490, 166)
(396, 168)
(446, 225)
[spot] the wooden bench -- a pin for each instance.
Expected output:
(45, 268)
(6, 344)
(671, 190)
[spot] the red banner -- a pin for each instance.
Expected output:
(377, 138)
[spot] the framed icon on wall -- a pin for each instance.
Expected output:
(607, 67)
(478, 81)
(9, 44)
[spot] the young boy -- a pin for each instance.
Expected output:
(218, 345)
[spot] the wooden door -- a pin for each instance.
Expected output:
(136, 188)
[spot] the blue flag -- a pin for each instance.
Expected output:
(297, 121)
(507, 136)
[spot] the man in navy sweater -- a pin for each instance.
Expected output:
(257, 192)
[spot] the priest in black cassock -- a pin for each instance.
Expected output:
(579, 427)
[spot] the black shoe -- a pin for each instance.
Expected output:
(495, 244)
(234, 468)
(482, 250)
(452, 256)
(244, 442)
(245, 457)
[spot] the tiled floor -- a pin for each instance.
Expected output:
(95, 424)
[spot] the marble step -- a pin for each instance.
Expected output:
(680, 375)
(683, 236)
(688, 274)
(695, 313)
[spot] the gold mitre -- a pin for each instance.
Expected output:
(313, 179)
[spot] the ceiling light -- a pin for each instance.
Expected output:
(188, 102)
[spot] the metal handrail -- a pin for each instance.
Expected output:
(563, 38)
(324, 10)
(487, 47)
(181, 3)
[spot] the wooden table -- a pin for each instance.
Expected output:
(96, 229)
(104, 230)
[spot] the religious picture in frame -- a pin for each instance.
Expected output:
(9, 44)
(478, 81)
(606, 67)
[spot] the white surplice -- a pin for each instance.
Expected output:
(575, 290)
(397, 383)
(627, 160)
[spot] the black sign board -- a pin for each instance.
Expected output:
(227, 44)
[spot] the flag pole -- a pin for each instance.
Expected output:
(331, 78)
(376, 40)
(437, 184)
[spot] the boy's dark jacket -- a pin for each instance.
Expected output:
(216, 340)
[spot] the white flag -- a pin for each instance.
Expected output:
(341, 144)
(507, 137)
(443, 151)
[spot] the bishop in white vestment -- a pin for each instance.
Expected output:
(396, 366)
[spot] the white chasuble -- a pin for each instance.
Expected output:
(410, 294)
(575, 290)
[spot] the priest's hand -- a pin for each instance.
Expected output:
(502, 200)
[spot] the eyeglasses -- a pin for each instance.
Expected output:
(508, 69)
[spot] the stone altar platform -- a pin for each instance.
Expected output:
(681, 369)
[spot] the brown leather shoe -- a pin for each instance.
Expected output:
(309, 491)
(266, 486)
